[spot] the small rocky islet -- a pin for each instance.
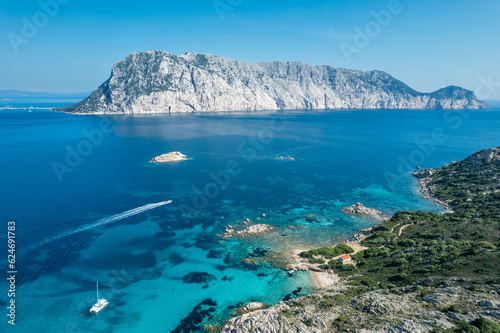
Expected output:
(359, 209)
(174, 156)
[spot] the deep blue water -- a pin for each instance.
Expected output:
(71, 230)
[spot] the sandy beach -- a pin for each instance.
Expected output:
(325, 279)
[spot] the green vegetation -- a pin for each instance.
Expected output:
(286, 313)
(486, 326)
(316, 261)
(479, 325)
(472, 184)
(456, 308)
(309, 322)
(443, 245)
(328, 252)
(416, 261)
(338, 266)
(463, 244)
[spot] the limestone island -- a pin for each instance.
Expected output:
(170, 157)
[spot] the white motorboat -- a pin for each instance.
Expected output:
(101, 303)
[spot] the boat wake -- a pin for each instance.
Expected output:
(98, 223)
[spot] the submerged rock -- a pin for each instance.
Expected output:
(169, 157)
(311, 218)
(198, 277)
(196, 319)
(249, 261)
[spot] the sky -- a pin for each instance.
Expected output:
(71, 45)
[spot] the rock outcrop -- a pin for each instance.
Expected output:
(359, 209)
(251, 307)
(159, 82)
(253, 230)
(169, 157)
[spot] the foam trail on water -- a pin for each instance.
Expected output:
(100, 222)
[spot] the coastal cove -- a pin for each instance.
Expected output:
(172, 259)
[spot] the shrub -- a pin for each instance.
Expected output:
(486, 326)
(328, 252)
(454, 308)
(325, 304)
(487, 245)
(400, 262)
(464, 327)
(381, 227)
(406, 242)
(368, 282)
(308, 322)
(348, 268)
(316, 261)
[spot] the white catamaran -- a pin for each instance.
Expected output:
(101, 303)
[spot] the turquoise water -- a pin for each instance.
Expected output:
(89, 221)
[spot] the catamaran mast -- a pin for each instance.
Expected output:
(98, 291)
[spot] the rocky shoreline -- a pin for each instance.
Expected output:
(415, 308)
(424, 180)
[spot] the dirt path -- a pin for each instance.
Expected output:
(401, 229)
(395, 227)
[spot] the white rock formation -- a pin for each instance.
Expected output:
(251, 307)
(359, 209)
(255, 229)
(158, 82)
(169, 157)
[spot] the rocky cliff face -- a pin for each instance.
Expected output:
(158, 82)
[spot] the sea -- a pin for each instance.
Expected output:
(88, 206)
